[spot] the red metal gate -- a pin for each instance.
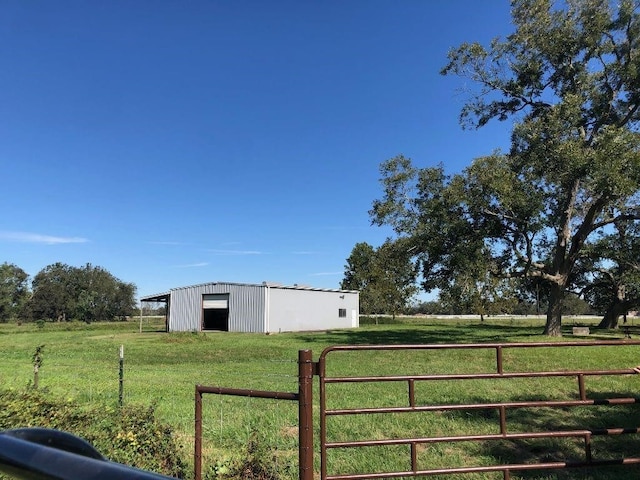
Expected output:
(489, 364)
(502, 433)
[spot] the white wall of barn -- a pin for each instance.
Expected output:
(297, 310)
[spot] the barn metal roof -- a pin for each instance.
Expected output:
(162, 297)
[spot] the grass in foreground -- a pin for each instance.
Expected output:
(81, 363)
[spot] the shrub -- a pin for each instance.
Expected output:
(131, 435)
(257, 462)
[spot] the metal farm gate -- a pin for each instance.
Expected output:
(503, 434)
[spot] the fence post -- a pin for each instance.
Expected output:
(121, 377)
(197, 457)
(305, 414)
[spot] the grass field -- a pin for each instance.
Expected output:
(81, 362)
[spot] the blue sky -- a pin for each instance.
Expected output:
(176, 143)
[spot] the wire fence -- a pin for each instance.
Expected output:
(231, 424)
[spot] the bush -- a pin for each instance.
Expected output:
(130, 435)
(257, 462)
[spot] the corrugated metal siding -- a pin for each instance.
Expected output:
(246, 307)
(184, 314)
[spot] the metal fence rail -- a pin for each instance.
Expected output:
(497, 372)
(414, 469)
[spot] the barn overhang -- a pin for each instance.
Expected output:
(157, 298)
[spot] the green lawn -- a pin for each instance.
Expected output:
(81, 362)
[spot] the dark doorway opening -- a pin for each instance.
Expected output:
(216, 319)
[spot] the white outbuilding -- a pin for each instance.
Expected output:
(260, 308)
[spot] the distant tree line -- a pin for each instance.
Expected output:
(573, 306)
(60, 292)
(150, 311)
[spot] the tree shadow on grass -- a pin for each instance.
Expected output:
(503, 452)
(611, 448)
(446, 334)
(422, 335)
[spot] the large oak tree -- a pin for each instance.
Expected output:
(568, 78)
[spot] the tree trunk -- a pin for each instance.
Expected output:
(554, 311)
(611, 316)
(617, 308)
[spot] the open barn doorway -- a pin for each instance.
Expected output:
(215, 311)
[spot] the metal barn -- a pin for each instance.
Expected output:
(260, 308)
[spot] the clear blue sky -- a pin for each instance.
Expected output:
(176, 143)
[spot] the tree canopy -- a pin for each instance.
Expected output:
(569, 80)
(89, 293)
(14, 291)
(384, 276)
